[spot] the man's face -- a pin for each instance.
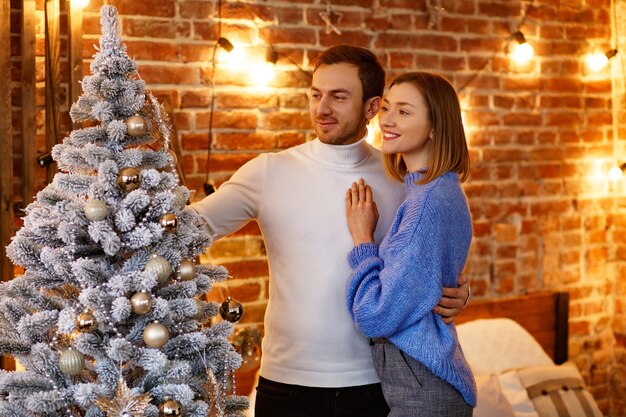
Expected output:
(336, 105)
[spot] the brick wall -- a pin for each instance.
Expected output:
(542, 135)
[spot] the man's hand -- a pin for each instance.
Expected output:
(453, 300)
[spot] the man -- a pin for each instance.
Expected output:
(315, 363)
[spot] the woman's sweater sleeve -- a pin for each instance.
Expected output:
(387, 294)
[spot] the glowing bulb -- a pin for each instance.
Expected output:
(80, 3)
(522, 53)
(615, 174)
(235, 58)
(597, 61)
(262, 73)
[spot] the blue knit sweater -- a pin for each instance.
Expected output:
(393, 289)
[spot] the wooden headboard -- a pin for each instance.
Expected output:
(545, 316)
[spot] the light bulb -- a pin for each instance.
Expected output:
(597, 61)
(522, 53)
(262, 73)
(80, 3)
(615, 174)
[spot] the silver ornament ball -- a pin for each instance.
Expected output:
(96, 210)
(136, 126)
(156, 335)
(71, 362)
(160, 266)
(186, 270)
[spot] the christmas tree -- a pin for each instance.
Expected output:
(108, 318)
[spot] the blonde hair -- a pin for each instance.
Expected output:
(448, 149)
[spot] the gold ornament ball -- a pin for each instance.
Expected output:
(128, 179)
(170, 408)
(86, 322)
(231, 310)
(160, 266)
(169, 222)
(71, 362)
(186, 270)
(156, 335)
(141, 303)
(96, 210)
(136, 126)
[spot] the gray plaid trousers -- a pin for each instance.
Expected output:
(411, 389)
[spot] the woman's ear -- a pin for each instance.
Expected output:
(371, 107)
(432, 134)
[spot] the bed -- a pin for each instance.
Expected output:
(517, 349)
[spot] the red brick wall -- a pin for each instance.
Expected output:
(541, 136)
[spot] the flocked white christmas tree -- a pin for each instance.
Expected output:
(108, 318)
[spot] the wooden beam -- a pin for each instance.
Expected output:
(561, 305)
(6, 141)
(53, 79)
(75, 39)
(29, 103)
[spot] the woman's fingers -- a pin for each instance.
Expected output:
(361, 189)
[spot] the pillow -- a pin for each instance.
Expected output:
(516, 395)
(497, 345)
(491, 402)
(558, 390)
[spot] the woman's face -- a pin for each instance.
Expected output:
(406, 126)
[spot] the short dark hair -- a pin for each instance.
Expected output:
(371, 72)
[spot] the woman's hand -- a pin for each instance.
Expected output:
(361, 212)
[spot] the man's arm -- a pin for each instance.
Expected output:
(235, 202)
(453, 300)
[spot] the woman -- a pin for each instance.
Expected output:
(393, 289)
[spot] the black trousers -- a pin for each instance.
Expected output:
(274, 399)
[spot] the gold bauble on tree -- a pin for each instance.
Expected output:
(231, 310)
(86, 322)
(128, 179)
(160, 266)
(96, 210)
(186, 270)
(71, 362)
(169, 222)
(156, 335)
(141, 303)
(170, 408)
(136, 126)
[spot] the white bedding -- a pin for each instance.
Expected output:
(500, 352)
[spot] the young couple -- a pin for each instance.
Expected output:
(401, 295)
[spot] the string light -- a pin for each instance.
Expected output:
(615, 173)
(522, 51)
(226, 44)
(598, 61)
(81, 4)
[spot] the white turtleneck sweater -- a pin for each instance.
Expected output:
(298, 198)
